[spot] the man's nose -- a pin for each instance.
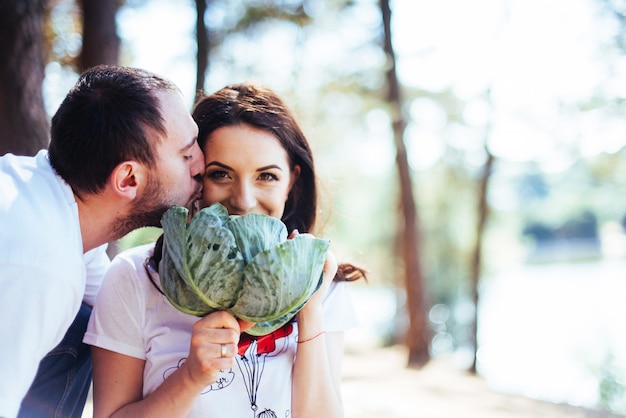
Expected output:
(197, 163)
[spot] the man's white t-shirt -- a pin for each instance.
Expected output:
(44, 275)
(132, 317)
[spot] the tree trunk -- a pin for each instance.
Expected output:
(101, 44)
(23, 119)
(483, 216)
(202, 56)
(483, 213)
(418, 334)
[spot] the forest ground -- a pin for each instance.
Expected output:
(376, 384)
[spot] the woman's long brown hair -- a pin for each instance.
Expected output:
(261, 108)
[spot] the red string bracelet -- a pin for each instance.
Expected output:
(312, 338)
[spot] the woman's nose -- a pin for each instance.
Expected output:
(243, 199)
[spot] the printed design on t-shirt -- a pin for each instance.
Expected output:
(251, 361)
(224, 378)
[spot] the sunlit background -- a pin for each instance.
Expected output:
(541, 83)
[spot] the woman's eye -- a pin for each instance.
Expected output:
(188, 157)
(268, 177)
(217, 175)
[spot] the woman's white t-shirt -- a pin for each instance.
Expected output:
(132, 317)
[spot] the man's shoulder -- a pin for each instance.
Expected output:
(24, 178)
(38, 214)
(13, 164)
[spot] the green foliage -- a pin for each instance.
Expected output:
(611, 385)
(251, 17)
(138, 237)
(266, 10)
(63, 33)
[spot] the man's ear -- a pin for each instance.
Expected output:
(126, 179)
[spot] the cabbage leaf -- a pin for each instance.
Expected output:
(242, 264)
(200, 269)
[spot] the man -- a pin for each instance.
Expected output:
(122, 150)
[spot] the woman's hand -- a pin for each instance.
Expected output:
(213, 348)
(330, 269)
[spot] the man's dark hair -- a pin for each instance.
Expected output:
(111, 115)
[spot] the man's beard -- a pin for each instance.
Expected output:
(147, 211)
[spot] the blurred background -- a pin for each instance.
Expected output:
(472, 157)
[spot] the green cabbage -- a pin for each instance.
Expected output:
(241, 264)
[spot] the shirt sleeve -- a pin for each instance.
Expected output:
(96, 263)
(117, 318)
(339, 311)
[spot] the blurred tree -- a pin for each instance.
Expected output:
(418, 333)
(239, 19)
(27, 37)
(101, 44)
(477, 258)
(23, 119)
(203, 47)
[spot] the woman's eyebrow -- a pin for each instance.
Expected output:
(217, 163)
(269, 167)
(226, 167)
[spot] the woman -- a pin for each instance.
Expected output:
(151, 360)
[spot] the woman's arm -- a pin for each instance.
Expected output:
(317, 371)
(118, 379)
